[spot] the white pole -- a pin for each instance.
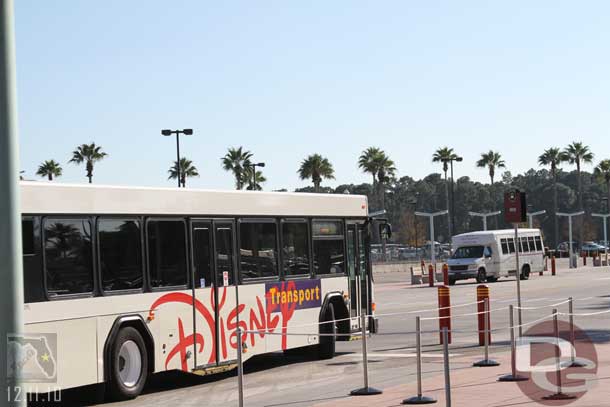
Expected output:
(570, 240)
(531, 220)
(518, 278)
(484, 222)
(11, 289)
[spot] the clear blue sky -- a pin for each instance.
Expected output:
(289, 78)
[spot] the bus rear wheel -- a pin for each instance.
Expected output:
(326, 347)
(525, 274)
(128, 365)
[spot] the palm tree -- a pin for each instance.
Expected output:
(491, 160)
(187, 169)
(316, 167)
(49, 169)
(577, 153)
(259, 179)
(375, 161)
(88, 153)
(235, 161)
(602, 172)
(444, 155)
(553, 157)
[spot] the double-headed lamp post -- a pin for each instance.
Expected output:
(570, 216)
(605, 219)
(485, 216)
(431, 218)
(530, 217)
(253, 167)
(186, 132)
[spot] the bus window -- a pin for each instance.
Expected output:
(27, 236)
(68, 258)
(328, 250)
(504, 243)
(531, 243)
(524, 246)
(120, 254)
(202, 254)
(539, 244)
(257, 250)
(167, 253)
(295, 248)
(511, 245)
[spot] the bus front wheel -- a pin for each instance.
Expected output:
(326, 347)
(128, 364)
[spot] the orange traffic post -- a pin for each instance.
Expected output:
(445, 274)
(482, 294)
(423, 267)
(553, 266)
(444, 312)
(430, 275)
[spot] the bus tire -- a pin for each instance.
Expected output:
(525, 274)
(481, 276)
(128, 365)
(326, 347)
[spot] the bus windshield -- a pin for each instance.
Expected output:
(468, 252)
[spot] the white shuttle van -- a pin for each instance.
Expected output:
(489, 255)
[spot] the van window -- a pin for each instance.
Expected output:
(511, 245)
(538, 243)
(532, 245)
(524, 246)
(487, 252)
(504, 243)
(468, 252)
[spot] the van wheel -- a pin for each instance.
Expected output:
(492, 279)
(326, 348)
(481, 276)
(452, 281)
(128, 365)
(525, 274)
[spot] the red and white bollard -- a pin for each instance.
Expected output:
(482, 297)
(444, 312)
(430, 275)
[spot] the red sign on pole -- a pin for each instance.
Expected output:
(515, 207)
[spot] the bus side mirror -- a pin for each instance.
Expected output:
(385, 231)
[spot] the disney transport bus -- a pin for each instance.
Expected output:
(124, 282)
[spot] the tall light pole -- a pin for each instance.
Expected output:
(11, 272)
(186, 132)
(570, 216)
(414, 203)
(605, 219)
(253, 166)
(530, 217)
(452, 229)
(485, 216)
(431, 218)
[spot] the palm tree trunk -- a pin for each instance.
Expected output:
(491, 175)
(316, 186)
(580, 206)
(447, 206)
(555, 209)
(50, 176)
(90, 177)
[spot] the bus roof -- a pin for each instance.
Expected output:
(484, 233)
(39, 197)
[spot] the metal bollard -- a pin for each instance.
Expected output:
(366, 390)
(512, 376)
(573, 361)
(419, 399)
(447, 371)
(240, 368)
(559, 395)
(486, 362)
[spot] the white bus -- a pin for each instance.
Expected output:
(489, 255)
(124, 282)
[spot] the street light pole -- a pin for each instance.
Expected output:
(431, 217)
(530, 217)
(11, 272)
(452, 228)
(253, 167)
(570, 216)
(484, 216)
(605, 219)
(186, 132)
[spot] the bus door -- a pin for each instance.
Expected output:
(213, 270)
(356, 261)
(364, 270)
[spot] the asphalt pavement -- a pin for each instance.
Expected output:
(279, 380)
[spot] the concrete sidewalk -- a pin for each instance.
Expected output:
(478, 387)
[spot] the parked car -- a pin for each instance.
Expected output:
(592, 248)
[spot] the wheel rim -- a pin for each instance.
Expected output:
(130, 363)
(481, 276)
